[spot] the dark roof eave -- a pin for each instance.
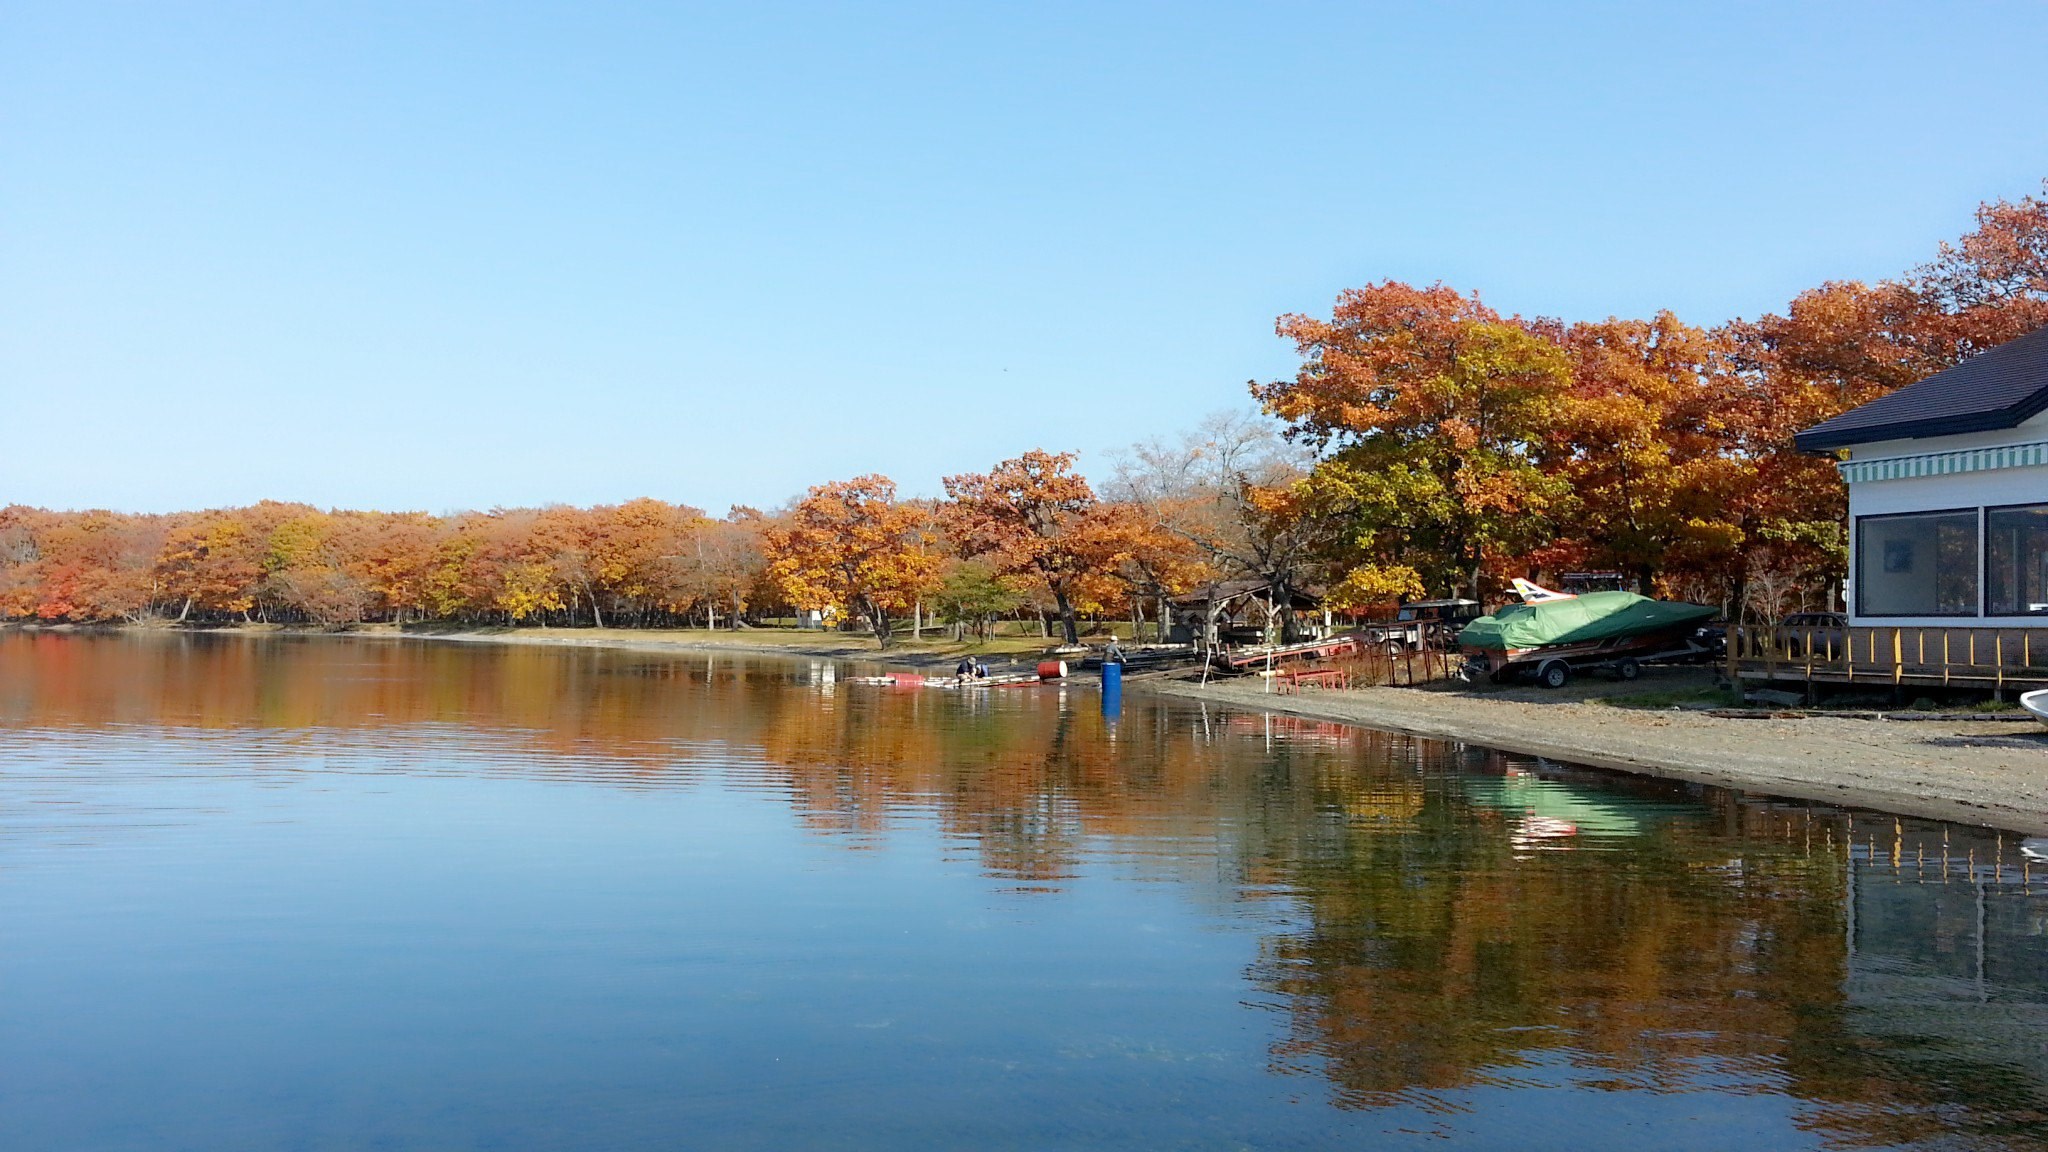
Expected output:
(1998, 388)
(1820, 438)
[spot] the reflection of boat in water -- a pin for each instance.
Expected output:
(2034, 848)
(917, 680)
(2037, 703)
(1550, 809)
(1541, 832)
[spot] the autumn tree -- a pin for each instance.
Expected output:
(1233, 491)
(725, 561)
(96, 565)
(852, 544)
(970, 594)
(389, 556)
(20, 577)
(1648, 438)
(1434, 416)
(1034, 515)
(1992, 285)
(212, 563)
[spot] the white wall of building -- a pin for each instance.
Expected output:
(1989, 488)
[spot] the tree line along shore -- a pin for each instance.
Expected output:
(1427, 445)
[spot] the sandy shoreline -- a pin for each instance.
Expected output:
(1970, 771)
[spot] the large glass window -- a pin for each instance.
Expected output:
(1919, 565)
(2016, 561)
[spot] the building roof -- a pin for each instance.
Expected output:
(1997, 388)
(1302, 600)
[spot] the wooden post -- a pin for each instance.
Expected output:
(1898, 657)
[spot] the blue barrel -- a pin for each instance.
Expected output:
(1112, 677)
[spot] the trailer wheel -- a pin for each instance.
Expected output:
(1554, 674)
(1627, 668)
(1394, 649)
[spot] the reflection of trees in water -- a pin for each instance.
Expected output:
(1709, 955)
(1448, 932)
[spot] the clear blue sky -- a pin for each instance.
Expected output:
(446, 256)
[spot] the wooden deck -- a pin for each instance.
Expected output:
(1995, 659)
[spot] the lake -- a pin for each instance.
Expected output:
(330, 893)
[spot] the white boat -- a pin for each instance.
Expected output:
(2037, 703)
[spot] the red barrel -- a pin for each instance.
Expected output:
(1051, 669)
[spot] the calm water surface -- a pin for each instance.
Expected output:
(326, 894)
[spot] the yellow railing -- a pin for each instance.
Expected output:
(1975, 657)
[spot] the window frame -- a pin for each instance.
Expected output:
(1977, 513)
(1984, 562)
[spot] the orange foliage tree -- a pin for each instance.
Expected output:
(1435, 416)
(1034, 515)
(851, 544)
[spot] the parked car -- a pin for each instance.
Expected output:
(1711, 639)
(1824, 631)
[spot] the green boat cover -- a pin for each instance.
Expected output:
(1589, 616)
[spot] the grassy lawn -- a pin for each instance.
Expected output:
(1694, 697)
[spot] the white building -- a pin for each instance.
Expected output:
(1948, 494)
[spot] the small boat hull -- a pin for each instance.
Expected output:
(2036, 703)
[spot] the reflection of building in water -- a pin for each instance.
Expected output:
(1947, 942)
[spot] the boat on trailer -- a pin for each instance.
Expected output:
(1552, 635)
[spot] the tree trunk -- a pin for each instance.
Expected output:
(880, 619)
(185, 611)
(917, 620)
(596, 614)
(1283, 604)
(1068, 627)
